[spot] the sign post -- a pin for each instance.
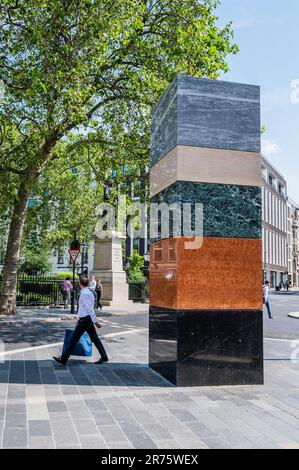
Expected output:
(74, 252)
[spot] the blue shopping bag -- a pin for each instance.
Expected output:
(82, 348)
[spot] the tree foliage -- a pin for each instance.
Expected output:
(82, 75)
(136, 263)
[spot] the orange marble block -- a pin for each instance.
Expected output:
(223, 274)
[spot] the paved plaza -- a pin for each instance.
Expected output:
(124, 404)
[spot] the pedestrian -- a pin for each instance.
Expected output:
(280, 285)
(266, 298)
(67, 287)
(86, 322)
(288, 285)
(99, 291)
(92, 286)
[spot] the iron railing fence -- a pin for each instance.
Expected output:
(138, 291)
(47, 290)
(40, 290)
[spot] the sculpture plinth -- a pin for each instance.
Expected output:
(108, 266)
(206, 297)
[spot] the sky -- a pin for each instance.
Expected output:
(267, 33)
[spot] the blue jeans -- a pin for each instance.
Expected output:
(268, 308)
(66, 297)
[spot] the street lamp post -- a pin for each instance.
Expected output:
(84, 247)
(83, 255)
(75, 245)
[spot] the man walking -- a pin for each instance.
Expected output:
(86, 322)
(266, 298)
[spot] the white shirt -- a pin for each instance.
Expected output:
(86, 304)
(266, 292)
(92, 285)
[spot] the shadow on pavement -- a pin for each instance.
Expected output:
(79, 372)
(34, 333)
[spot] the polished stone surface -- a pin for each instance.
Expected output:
(203, 348)
(164, 124)
(228, 210)
(163, 342)
(206, 113)
(204, 165)
(222, 273)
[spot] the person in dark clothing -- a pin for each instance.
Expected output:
(99, 291)
(87, 322)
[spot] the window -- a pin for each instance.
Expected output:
(271, 180)
(281, 189)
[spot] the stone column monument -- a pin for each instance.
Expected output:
(206, 324)
(108, 265)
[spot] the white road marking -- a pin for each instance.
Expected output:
(33, 348)
(52, 345)
(281, 340)
(126, 332)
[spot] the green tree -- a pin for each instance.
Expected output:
(136, 263)
(35, 262)
(71, 69)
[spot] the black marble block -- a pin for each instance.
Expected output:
(206, 113)
(206, 348)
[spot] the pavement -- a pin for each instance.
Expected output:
(124, 404)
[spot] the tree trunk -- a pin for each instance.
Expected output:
(12, 256)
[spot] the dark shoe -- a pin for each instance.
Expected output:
(271, 318)
(58, 359)
(101, 361)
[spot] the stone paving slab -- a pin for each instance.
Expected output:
(124, 404)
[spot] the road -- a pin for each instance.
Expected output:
(282, 327)
(37, 327)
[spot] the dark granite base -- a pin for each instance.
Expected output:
(205, 348)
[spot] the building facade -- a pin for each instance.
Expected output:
(61, 262)
(293, 242)
(275, 226)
